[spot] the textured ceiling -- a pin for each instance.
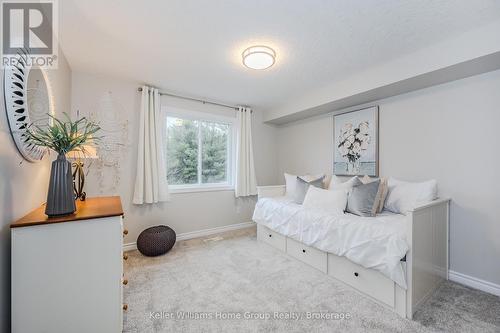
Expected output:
(194, 47)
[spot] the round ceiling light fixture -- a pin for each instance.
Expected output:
(258, 57)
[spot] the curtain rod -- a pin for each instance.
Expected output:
(195, 100)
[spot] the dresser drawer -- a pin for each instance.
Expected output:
(366, 280)
(271, 237)
(81, 284)
(309, 255)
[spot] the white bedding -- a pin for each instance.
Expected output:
(373, 242)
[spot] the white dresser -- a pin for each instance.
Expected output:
(67, 272)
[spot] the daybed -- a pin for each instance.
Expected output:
(397, 260)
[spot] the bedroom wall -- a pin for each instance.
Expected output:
(186, 212)
(23, 185)
(447, 132)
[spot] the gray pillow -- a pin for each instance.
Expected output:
(362, 199)
(302, 187)
(356, 182)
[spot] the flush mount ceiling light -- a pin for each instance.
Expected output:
(258, 57)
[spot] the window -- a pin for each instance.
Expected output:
(199, 152)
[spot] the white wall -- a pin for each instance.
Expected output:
(306, 147)
(185, 212)
(23, 185)
(448, 132)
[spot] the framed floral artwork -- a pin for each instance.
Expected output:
(356, 143)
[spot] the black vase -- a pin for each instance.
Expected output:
(60, 199)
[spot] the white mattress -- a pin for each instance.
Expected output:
(372, 242)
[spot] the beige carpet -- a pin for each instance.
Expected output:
(232, 283)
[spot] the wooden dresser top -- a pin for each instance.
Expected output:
(91, 208)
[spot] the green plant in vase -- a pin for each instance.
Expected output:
(62, 136)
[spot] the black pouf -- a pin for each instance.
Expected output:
(156, 240)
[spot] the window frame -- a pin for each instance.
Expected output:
(231, 149)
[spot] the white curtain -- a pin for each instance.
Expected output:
(151, 177)
(246, 183)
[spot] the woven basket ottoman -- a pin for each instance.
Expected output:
(156, 240)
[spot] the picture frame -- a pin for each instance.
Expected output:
(356, 138)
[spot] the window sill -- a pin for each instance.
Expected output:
(200, 189)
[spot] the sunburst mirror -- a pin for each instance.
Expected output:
(27, 101)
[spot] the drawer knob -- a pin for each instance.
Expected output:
(125, 257)
(125, 307)
(270, 235)
(125, 282)
(356, 274)
(303, 250)
(125, 231)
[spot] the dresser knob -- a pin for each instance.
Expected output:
(125, 231)
(270, 235)
(125, 282)
(356, 274)
(125, 257)
(304, 251)
(125, 307)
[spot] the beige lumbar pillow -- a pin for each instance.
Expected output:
(382, 191)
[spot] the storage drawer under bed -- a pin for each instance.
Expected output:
(369, 281)
(309, 255)
(271, 237)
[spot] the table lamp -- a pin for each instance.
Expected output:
(87, 152)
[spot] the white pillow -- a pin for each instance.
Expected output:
(334, 180)
(291, 182)
(404, 196)
(336, 183)
(332, 201)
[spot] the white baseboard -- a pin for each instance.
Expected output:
(199, 233)
(129, 247)
(475, 283)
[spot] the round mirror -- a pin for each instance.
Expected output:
(27, 101)
(37, 98)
